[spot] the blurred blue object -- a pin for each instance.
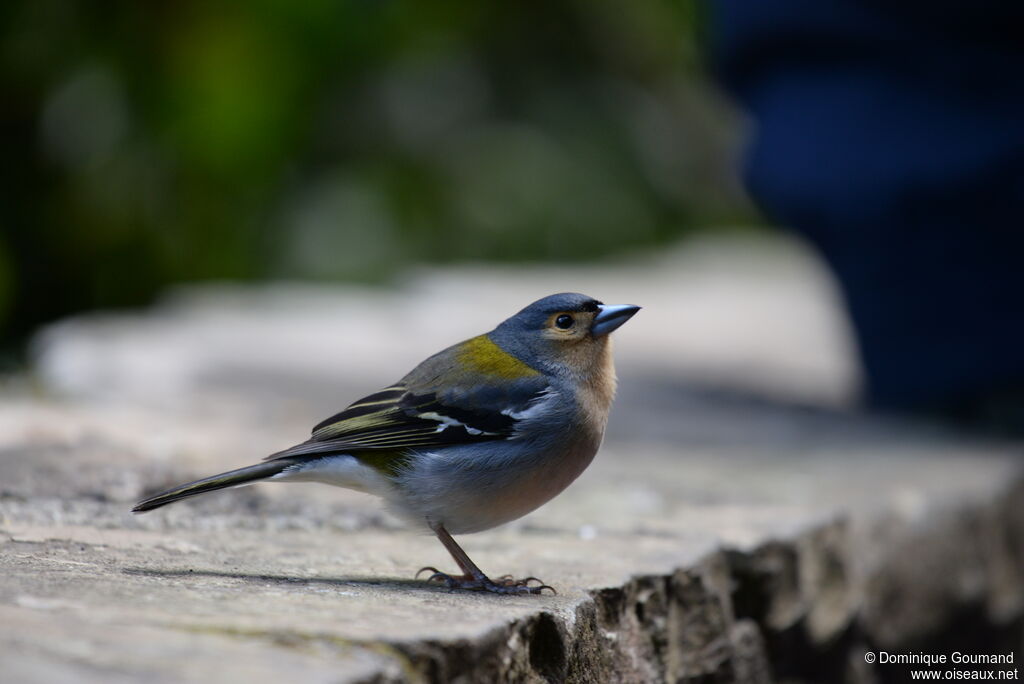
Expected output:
(891, 135)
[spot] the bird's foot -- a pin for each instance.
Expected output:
(505, 584)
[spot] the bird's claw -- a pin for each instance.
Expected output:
(509, 580)
(505, 584)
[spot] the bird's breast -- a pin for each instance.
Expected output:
(477, 487)
(596, 391)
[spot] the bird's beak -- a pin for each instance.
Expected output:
(610, 317)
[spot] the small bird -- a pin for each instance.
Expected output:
(475, 436)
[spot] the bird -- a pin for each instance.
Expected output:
(475, 436)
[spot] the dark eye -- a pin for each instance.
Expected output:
(564, 321)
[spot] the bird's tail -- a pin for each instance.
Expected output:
(233, 478)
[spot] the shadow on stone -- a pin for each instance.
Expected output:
(395, 583)
(375, 582)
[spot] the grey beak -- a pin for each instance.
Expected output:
(609, 317)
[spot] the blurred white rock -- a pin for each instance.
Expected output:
(760, 314)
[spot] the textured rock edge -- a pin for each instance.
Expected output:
(800, 609)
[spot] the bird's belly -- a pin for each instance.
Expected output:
(472, 511)
(473, 495)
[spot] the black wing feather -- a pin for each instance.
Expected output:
(397, 419)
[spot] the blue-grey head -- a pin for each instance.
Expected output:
(561, 328)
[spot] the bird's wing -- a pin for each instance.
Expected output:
(406, 416)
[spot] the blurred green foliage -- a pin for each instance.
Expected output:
(148, 143)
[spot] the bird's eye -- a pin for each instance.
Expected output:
(564, 321)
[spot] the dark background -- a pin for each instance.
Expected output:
(147, 144)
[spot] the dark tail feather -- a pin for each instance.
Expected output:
(233, 478)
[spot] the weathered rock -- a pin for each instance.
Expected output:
(717, 537)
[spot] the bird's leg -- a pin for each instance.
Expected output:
(474, 578)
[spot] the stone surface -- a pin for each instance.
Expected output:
(740, 524)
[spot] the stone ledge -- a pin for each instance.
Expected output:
(802, 609)
(719, 536)
(749, 564)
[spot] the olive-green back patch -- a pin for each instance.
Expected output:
(482, 355)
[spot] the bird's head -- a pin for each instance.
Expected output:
(565, 328)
